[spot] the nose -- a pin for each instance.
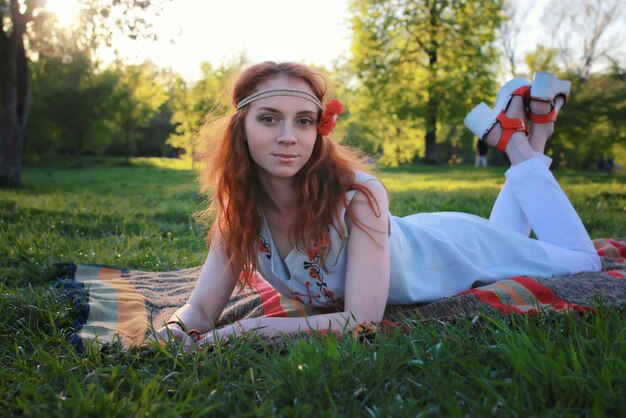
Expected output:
(286, 135)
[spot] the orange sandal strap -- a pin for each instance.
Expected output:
(551, 115)
(509, 127)
(543, 118)
(523, 92)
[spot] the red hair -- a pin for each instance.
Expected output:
(230, 177)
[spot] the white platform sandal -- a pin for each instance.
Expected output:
(482, 118)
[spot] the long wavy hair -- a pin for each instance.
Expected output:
(231, 180)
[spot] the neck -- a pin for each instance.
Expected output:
(282, 197)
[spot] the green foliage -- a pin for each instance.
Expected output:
(420, 64)
(139, 94)
(152, 139)
(194, 104)
(78, 108)
(542, 59)
(593, 124)
(138, 216)
(72, 104)
(417, 67)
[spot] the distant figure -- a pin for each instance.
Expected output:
(610, 164)
(607, 165)
(481, 153)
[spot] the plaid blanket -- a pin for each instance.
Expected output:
(119, 304)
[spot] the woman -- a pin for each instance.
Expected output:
(300, 209)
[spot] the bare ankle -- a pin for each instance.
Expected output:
(519, 149)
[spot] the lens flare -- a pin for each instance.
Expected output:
(64, 10)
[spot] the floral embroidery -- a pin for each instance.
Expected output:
(307, 294)
(264, 247)
(314, 267)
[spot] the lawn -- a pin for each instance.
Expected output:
(139, 216)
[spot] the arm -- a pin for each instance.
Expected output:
(367, 276)
(208, 299)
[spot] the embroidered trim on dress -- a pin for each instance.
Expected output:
(264, 247)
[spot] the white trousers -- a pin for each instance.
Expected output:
(531, 198)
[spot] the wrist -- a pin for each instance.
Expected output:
(175, 323)
(239, 327)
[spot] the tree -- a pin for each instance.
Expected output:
(73, 103)
(592, 124)
(428, 60)
(581, 29)
(152, 141)
(139, 95)
(510, 28)
(195, 104)
(543, 59)
(20, 20)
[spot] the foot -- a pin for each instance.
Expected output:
(518, 148)
(541, 132)
(546, 88)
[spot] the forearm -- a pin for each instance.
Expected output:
(269, 327)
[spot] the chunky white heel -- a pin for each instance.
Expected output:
(481, 119)
(546, 87)
(516, 87)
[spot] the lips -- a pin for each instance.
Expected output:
(286, 158)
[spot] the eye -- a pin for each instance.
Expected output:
(268, 119)
(305, 122)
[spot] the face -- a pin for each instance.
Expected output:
(281, 130)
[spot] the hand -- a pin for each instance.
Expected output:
(166, 332)
(235, 329)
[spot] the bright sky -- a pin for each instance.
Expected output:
(311, 31)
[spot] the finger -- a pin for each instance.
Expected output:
(207, 339)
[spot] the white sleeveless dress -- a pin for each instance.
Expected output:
(432, 255)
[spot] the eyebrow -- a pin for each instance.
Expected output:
(302, 112)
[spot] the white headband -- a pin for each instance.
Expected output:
(280, 92)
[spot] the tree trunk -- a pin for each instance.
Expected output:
(127, 142)
(430, 156)
(13, 103)
(432, 107)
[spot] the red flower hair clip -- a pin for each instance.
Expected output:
(331, 112)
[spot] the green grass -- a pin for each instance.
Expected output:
(138, 216)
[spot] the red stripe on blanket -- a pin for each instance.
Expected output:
(607, 247)
(620, 247)
(270, 298)
(542, 294)
(491, 298)
(615, 274)
(545, 295)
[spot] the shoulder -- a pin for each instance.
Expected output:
(369, 187)
(361, 177)
(369, 212)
